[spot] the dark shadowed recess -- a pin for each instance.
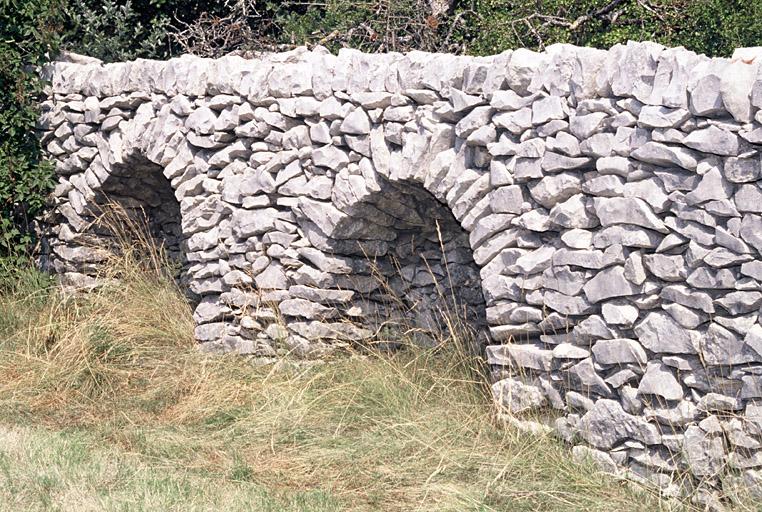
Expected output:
(414, 265)
(136, 199)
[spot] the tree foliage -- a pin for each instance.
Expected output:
(713, 27)
(113, 30)
(118, 30)
(28, 35)
(369, 25)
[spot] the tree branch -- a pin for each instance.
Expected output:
(557, 21)
(603, 11)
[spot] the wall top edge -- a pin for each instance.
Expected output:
(647, 71)
(747, 55)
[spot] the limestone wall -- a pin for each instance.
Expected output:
(598, 211)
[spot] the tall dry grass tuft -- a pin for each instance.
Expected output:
(92, 346)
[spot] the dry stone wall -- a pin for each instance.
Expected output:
(599, 211)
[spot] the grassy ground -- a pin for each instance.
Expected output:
(105, 404)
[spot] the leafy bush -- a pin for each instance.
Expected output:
(114, 31)
(713, 27)
(28, 35)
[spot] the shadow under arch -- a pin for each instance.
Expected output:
(412, 262)
(131, 203)
(141, 190)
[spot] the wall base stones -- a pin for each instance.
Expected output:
(600, 212)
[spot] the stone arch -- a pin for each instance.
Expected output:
(412, 260)
(141, 190)
(112, 173)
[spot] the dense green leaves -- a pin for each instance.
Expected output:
(118, 30)
(28, 35)
(369, 25)
(713, 27)
(113, 30)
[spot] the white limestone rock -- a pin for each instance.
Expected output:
(658, 332)
(330, 156)
(724, 347)
(584, 378)
(609, 283)
(563, 279)
(705, 89)
(660, 381)
(509, 100)
(577, 238)
(748, 197)
(535, 261)
(517, 397)
(515, 122)
(356, 123)
(713, 140)
(566, 304)
(632, 69)
(507, 199)
(688, 297)
(604, 186)
(272, 278)
(736, 85)
(620, 210)
(555, 189)
(573, 213)
(619, 313)
(705, 453)
(530, 356)
(711, 188)
(666, 156)
(607, 425)
(548, 109)
(201, 120)
(616, 165)
(627, 235)
(462, 101)
(743, 170)
(652, 116)
(477, 118)
(619, 351)
(668, 268)
(523, 66)
(740, 302)
(248, 223)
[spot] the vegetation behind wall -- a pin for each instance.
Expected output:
(28, 36)
(115, 30)
(712, 27)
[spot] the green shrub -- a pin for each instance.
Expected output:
(369, 25)
(28, 35)
(115, 31)
(713, 27)
(118, 30)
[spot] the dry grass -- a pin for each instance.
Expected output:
(105, 404)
